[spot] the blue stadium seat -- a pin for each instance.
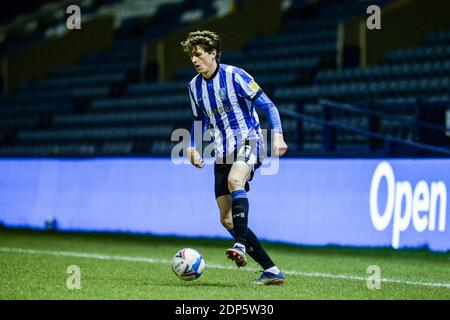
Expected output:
(142, 89)
(95, 134)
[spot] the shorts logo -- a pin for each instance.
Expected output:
(223, 94)
(245, 152)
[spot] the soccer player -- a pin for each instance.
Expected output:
(225, 96)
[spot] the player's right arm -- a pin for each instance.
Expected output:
(192, 153)
(199, 125)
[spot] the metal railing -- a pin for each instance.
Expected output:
(331, 125)
(394, 118)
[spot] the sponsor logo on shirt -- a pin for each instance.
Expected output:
(218, 110)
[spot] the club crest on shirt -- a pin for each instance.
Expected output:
(223, 94)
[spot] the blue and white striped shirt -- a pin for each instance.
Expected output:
(227, 101)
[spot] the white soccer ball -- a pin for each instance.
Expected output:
(188, 264)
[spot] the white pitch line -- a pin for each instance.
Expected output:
(217, 266)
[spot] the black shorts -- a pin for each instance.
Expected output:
(223, 166)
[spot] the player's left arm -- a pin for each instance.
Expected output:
(262, 101)
(248, 88)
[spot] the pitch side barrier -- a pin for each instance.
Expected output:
(387, 138)
(398, 203)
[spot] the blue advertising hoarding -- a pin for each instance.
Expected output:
(351, 202)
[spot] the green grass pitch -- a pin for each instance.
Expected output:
(34, 265)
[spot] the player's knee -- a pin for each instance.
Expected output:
(227, 222)
(235, 183)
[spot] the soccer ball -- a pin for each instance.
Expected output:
(188, 264)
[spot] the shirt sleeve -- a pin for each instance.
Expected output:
(196, 111)
(246, 86)
(196, 134)
(199, 117)
(263, 102)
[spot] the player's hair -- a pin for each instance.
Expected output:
(207, 40)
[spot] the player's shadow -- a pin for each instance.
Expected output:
(204, 284)
(218, 285)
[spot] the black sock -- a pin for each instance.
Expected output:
(255, 249)
(239, 213)
(258, 253)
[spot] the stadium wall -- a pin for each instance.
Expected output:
(255, 17)
(404, 23)
(35, 62)
(402, 203)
